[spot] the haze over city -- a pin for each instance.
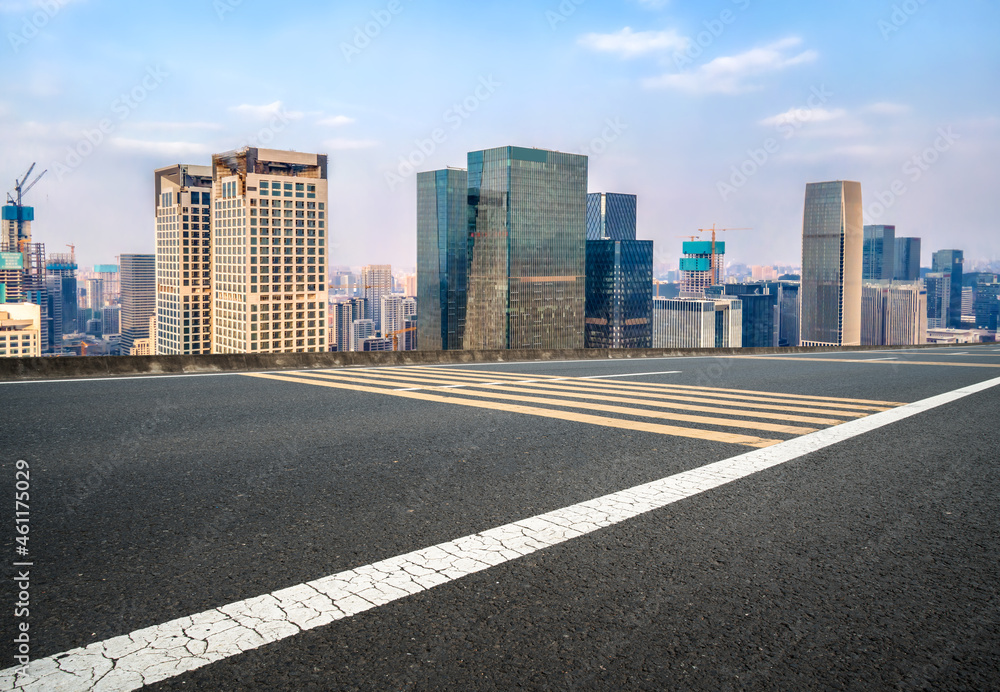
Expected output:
(710, 112)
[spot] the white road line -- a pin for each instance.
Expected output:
(161, 652)
(872, 360)
(633, 374)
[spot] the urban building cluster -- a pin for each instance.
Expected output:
(513, 252)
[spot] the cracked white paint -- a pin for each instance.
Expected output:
(157, 653)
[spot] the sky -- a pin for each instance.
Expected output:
(712, 112)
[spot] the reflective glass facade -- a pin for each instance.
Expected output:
(760, 302)
(442, 244)
(611, 216)
(619, 294)
(832, 251)
(527, 249)
(951, 261)
(907, 259)
(879, 253)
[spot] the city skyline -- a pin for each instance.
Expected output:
(691, 95)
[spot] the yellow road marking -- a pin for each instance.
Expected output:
(420, 377)
(694, 433)
(645, 413)
(658, 385)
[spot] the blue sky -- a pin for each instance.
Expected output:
(712, 112)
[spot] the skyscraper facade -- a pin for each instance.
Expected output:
(938, 299)
(832, 253)
(907, 259)
(138, 277)
(183, 200)
(527, 249)
(619, 302)
(376, 280)
(611, 216)
(879, 255)
(893, 314)
(760, 311)
(694, 323)
(269, 252)
(442, 262)
(951, 261)
(343, 317)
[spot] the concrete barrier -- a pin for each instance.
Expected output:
(13, 369)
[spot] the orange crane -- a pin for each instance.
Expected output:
(395, 336)
(715, 256)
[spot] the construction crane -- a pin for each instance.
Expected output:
(15, 198)
(395, 336)
(715, 257)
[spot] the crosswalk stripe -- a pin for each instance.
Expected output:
(705, 400)
(640, 412)
(660, 385)
(675, 431)
(485, 373)
(415, 378)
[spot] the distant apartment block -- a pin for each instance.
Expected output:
(442, 262)
(832, 254)
(527, 249)
(951, 262)
(183, 197)
(361, 330)
(376, 280)
(694, 323)
(20, 330)
(938, 299)
(698, 271)
(269, 252)
(893, 314)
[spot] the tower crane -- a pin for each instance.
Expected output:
(15, 198)
(715, 257)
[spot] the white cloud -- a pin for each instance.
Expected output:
(341, 144)
(337, 121)
(26, 5)
(629, 44)
(804, 115)
(139, 146)
(734, 74)
(267, 111)
(887, 108)
(654, 4)
(175, 126)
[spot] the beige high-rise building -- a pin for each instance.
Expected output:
(893, 313)
(269, 267)
(832, 253)
(20, 330)
(183, 260)
(376, 280)
(695, 323)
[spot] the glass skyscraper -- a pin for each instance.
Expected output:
(619, 294)
(832, 252)
(611, 216)
(442, 244)
(951, 261)
(527, 249)
(879, 253)
(907, 259)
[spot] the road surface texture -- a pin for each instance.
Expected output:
(821, 521)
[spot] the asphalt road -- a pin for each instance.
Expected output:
(870, 564)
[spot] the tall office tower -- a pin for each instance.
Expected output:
(611, 216)
(832, 251)
(138, 277)
(907, 259)
(391, 314)
(376, 280)
(987, 306)
(410, 340)
(879, 254)
(95, 295)
(619, 300)
(760, 311)
(697, 272)
(788, 314)
(111, 319)
(53, 310)
(527, 249)
(619, 303)
(968, 304)
(442, 262)
(183, 196)
(20, 330)
(893, 314)
(938, 299)
(410, 285)
(62, 268)
(343, 317)
(361, 330)
(269, 261)
(951, 261)
(695, 323)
